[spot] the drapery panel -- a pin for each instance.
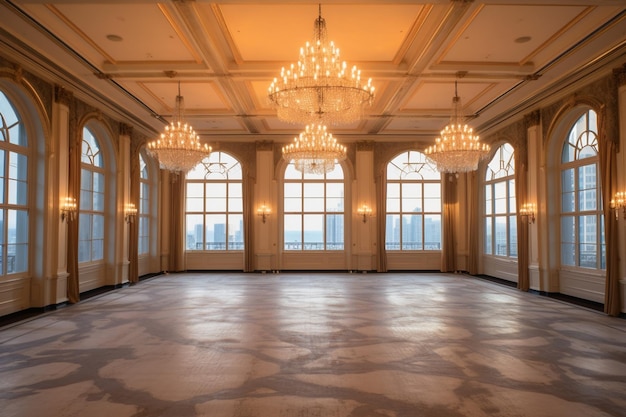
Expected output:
(607, 150)
(450, 201)
(381, 217)
(473, 223)
(521, 197)
(133, 227)
(177, 223)
(248, 223)
(73, 191)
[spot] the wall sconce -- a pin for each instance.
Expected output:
(263, 212)
(364, 211)
(68, 209)
(619, 203)
(130, 213)
(528, 210)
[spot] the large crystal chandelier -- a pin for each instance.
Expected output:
(179, 148)
(314, 151)
(457, 149)
(320, 88)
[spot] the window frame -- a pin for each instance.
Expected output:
(412, 168)
(94, 164)
(143, 212)
(212, 172)
(16, 208)
(500, 173)
(306, 208)
(576, 161)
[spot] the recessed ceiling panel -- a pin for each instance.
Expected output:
(436, 96)
(277, 32)
(198, 96)
(126, 32)
(419, 126)
(509, 34)
(203, 125)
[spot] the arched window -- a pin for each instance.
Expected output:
(214, 205)
(143, 213)
(582, 221)
(92, 200)
(413, 204)
(14, 191)
(500, 212)
(314, 212)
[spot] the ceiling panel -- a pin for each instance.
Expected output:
(509, 34)
(277, 32)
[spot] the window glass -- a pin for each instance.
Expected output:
(14, 193)
(91, 228)
(581, 225)
(500, 238)
(314, 210)
(143, 212)
(413, 218)
(214, 205)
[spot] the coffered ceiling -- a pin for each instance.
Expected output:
(504, 54)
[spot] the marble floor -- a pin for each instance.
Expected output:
(305, 345)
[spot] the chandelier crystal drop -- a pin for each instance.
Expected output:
(314, 151)
(320, 88)
(457, 149)
(179, 148)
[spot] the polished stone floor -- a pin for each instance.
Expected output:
(323, 345)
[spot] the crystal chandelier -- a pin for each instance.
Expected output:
(457, 149)
(320, 88)
(314, 151)
(179, 148)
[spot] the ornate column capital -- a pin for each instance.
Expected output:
(365, 145)
(62, 96)
(126, 130)
(264, 145)
(532, 119)
(620, 75)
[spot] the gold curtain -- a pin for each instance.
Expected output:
(176, 240)
(248, 223)
(521, 197)
(133, 227)
(381, 217)
(448, 250)
(73, 191)
(473, 223)
(607, 150)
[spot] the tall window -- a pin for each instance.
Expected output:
(91, 218)
(13, 191)
(214, 205)
(500, 217)
(582, 221)
(413, 204)
(143, 214)
(313, 210)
